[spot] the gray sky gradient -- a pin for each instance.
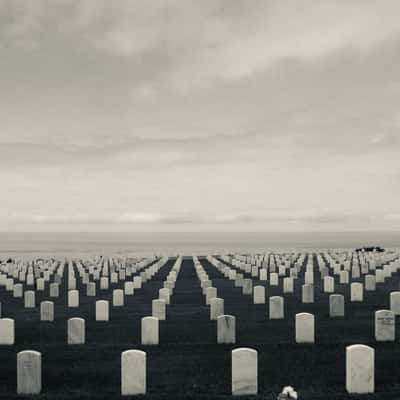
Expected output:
(199, 115)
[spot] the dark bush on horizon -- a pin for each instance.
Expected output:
(371, 248)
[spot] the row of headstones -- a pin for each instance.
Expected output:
(18, 288)
(76, 326)
(246, 284)
(276, 303)
(384, 319)
(260, 270)
(256, 270)
(351, 258)
(28, 272)
(118, 294)
(216, 303)
(39, 273)
(226, 327)
(347, 258)
(262, 273)
(107, 271)
(42, 274)
(76, 331)
(165, 293)
(360, 371)
(38, 282)
(102, 306)
(356, 288)
(110, 272)
(270, 260)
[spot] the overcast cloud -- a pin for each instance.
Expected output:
(199, 115)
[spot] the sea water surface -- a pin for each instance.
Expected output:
(185, 243)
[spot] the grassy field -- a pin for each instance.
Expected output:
(188, 363)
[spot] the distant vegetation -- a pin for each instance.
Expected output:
(371, 248)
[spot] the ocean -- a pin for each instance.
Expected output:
(185, 243)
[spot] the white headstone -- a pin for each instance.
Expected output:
(370, 283)
(336, 305)
(114, 277)
(263, 274)
(288, 285)
(7, 331)
(247, 288)
(276, 307)
(211, 292)
(47, 311)
(308, 293)
(159, 309)
(379, 276)
(128, 288)
(133, 372)
(76, 331)
(102, 310)
(344, 277)
(29, 299)
(40, 285)
(150, 335)
(29, 372)
(244, 372)
(329, 284)
(395, 302)
(356, 292)
(18, 290)
(273, 279)
(73, 298)
(137, 282)
(54, 289)
(309, 277)
(259, 295)
(226, 329)
(305, 328)
(384, 326)
(104, 283)
(216, 308)
(164, 294)
(360, 369)
(91, 289)
(118, 297)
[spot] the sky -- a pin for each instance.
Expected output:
(212, 115)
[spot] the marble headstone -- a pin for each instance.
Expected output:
(307, 293)
(216, 308)
(150, 331)
(336, 305)
(76, 331)
(159, 309)
(276, 307)
(7, 331)
(244, 372)
(29, 372)
(305, 328)
(47, 311)
(384, 326)
(102, 310)
(133, 373)
(395, 302)
(118, 297)
(226, 329)
(360, 369)
(29, 299)
(259, 295)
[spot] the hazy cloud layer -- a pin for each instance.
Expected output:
(261, 115)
